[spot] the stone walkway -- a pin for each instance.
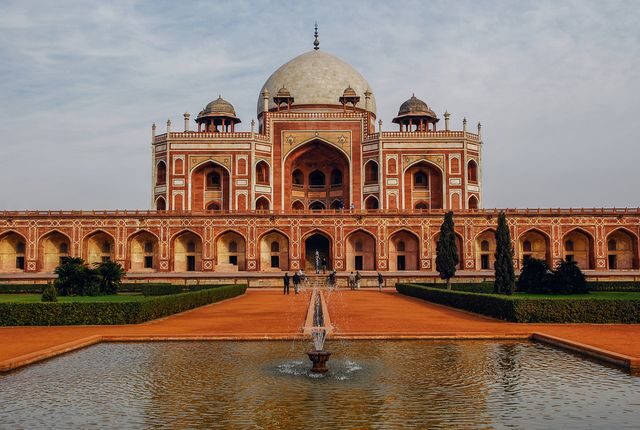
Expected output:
(267, 314)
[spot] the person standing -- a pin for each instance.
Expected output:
(352, 281)
(296, 282)
(357, 279)
(380, 281)
(286, 283)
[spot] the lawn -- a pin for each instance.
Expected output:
(598, 295)
(37, 298)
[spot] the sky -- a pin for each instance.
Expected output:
(555, 85)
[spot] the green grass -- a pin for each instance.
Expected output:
(36, 298)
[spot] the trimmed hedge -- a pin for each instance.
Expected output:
(622, 286)
(470, 287)
(47, 314)
(160, 289)
(528, 310)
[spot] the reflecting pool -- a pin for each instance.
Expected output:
(371, 384)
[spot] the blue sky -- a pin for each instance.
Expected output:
(555, 85)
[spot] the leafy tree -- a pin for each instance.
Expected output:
(111, 274)
(505, 282)
(567, 278)
(534, 277)
(75, 277)
(49, 293)
(447, 250)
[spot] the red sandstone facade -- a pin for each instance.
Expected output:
(317, 175)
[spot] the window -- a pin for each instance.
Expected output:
(106, 247)
(400, 246)
(64, 248)
(568, 245)
(336, 177)
(233, 246)
(371, 173)
(233, 259)
(148, 247)
(358, 246)
(213, 181)
(161, 178)
(20, 247)
(297, 205)
(297, 178)
(148, 262)
(612, 245)
(371, 203)
(472, 171)
(262, 173)
(316, 179)
(420, 180)
(526, 246)
(191, 246)
(161, 205)
(484, 245)
(275, 246)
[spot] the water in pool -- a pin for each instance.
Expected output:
(371, 384)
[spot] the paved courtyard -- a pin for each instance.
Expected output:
(267, 314)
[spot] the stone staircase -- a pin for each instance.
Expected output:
(316, 281)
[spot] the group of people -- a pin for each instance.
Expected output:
(298, 279)
(354, 280)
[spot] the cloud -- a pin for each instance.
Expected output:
(554, 85)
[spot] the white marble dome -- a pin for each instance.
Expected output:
(317, 77)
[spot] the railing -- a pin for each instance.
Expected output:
(244, 135)
(414, 134)
(376, 212)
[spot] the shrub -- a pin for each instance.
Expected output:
(111, 274)
(567, 278)
(22, 288)
(505, 282)
(470, 287)
(534, 277)
(160, 289)
(91, 313)
(75, 277)
(529, 310)
(626, 286)
(49, 293)
(446, 250)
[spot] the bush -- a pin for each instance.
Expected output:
(87, 313)
(534, 277)
(567, 278)
(470, 287)
(111, 274)
(22, 288)
(160, 289)
(49, 293)
(75, 277)
(622, 286)
(529, 310)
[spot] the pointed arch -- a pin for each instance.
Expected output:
(371, 203)
(371, 172)
(404, 250)
(98, 246)
(186, 247)
(297, 205)
(424, 185)
(578, 246)
(13, 248)
(161, 204)
(485, 248)
(161, 173)
(263, 204)
(473, 202)
(53, 247)
(361, 248)
(534, 243)
(143, 250)
(621, 246)
(262, 173)
(472, 171)
(319, 240)
(230, 251)
(203, 190)
(274, 250)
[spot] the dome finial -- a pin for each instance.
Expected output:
(316, 43)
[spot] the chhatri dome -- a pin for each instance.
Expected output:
(317, 77)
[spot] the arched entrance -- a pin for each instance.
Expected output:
(230, 252)
(316, 242)
(361, 251)
(274, 252)
(187, 252)
(318, 173)
(210, 187)
(423, 186)
(99, 247)
(403, 251)
(144, 251)
(52, 249)
(12, 252)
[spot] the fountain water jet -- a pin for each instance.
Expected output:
(318, 332)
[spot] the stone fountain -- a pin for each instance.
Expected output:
(318, 332)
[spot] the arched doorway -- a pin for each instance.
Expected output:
(403, 251)
(316, 242)
(143, 252)
(423, 186)
(486, 250)
(12, 252)
(361, 251)
(52, 249)
(99, 248)
(262, 204)
(187, 252)
(621, 250)
(318, 173)
(274, 252)
(209, 186)
(230, 250)
(534, 244)
(578, 247)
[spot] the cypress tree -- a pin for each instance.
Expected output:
(447, 250)
(505, 275)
